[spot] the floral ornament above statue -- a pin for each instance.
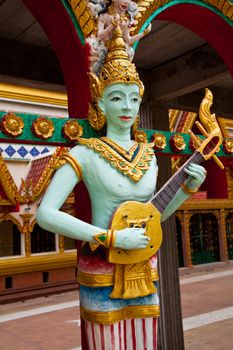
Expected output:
(12, 125)
(140, 136)
(177, 143)
(43, 128)
(228, 146)
(159, 141)
(72, 130)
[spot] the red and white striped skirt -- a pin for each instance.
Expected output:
(132, 334)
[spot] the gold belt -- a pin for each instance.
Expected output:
(129, 281)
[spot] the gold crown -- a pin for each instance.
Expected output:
(117, 68)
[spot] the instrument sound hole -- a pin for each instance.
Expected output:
(119, 252)
(151, 246)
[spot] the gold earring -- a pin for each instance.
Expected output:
(135, 124)
(96, 117)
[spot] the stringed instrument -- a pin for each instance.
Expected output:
(147, 215)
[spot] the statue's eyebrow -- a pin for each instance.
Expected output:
(116, 92)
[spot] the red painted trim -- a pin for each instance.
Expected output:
(57, 24)
(207, 24)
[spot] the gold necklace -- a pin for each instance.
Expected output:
(134, 168)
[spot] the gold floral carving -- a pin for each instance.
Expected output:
(72, 130)
(177, 143)
(8, 183)
(43, 128)
(12, 124)
(159, 141)
(228, 146)
(140, 136)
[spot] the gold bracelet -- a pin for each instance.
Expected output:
(188, 190)
(113, 239)
(108, 239)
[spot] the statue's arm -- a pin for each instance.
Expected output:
(196, 177)
(52, 219)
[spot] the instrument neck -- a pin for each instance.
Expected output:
(169, 189)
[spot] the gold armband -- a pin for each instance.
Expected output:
(188, 190)
(68, 158)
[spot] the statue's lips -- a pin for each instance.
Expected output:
(125, 118)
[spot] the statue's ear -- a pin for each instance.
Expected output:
(101, 105)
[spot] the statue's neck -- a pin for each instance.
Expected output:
(123, 139)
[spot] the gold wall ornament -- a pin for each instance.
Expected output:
(72, 130)
(96, 117)
(7, 182)
(177, 143)
(26, 222)
(43, 128)
(228, 146)
(159, 141)
(12, 125)
(140, 136)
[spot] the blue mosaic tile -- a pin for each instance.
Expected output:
(10, 151)
(22, 151)
(45, 150)
(34, 152)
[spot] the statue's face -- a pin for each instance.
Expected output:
(120, 104)
(122, 4)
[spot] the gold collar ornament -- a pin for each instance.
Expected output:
(133, 163)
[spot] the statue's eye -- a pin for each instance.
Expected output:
(135, 99)
(116, 98)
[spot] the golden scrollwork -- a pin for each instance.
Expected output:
(43, 128)
(12, 124)
(8, 183)
(72, 130)
(140, 136)
(159, 141)
(177, 143)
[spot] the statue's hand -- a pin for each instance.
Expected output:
(131, 238)
(197, 175)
